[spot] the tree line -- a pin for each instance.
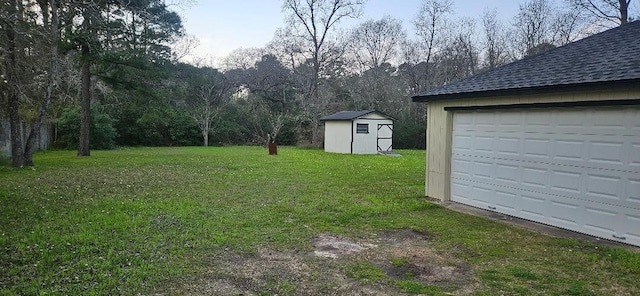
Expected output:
(108, 73)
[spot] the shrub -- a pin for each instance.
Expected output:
(409, 135)
(101, 135)
(4, 158)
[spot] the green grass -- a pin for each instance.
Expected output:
(143, 220)
(399, 262)
(366, 272)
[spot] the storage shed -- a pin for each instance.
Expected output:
(358, 132)
(553, 138)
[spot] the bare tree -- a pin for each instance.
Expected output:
(459, 56)
(242, 58)
(287, 47)
(540, 25)
(373, 46)
(431, 26)
(208, 90)
(613, 11)
(533, 25)
(265, 123)
(314, 20)
(496, 48)
(568, 26)
(183, 48)
(410, 53)
(376, 42)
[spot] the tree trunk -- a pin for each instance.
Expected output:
(85, 109)
(11, 65)
(17, 159)
(85, 88)
(32, 145)
(315, 128)
(205, 132)
(624, 12)
(316, 106)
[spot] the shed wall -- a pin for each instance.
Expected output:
(440, 123)
(368, 143)
(337, 136)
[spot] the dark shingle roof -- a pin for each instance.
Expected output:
(350, 115)
(608, 58)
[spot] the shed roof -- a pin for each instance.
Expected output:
(607, 59)
(351, 115)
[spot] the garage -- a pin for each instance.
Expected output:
(574, 168)
(552, 138)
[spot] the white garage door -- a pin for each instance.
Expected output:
(574, 168)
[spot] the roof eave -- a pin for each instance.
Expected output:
(356, 117)
(592, 86)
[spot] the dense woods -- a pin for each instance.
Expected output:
(109, 73)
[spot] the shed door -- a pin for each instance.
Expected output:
(385, 137)
(577, 169)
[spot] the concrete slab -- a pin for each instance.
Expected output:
(389, 153)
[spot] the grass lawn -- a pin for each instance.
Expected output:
(177, 221)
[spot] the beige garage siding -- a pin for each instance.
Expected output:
(440, 123)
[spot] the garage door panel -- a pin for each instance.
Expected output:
(461, 191)
(533, 207)
(630, 230)
(483, 170)
(569, 150)
(605, 187)
(633, 193)
(571, 168)
(507, 173)
(565, 214)
(536, 177)
(634, 156)
(609, 222)
(551, 180)
(505, 202)
(594, 154)
(607, 152)
(537, 148)
(612, 188)
(566, 181)
(508, 145)
(460, 167)
(462, 143)
(483, 144)
(485, 120)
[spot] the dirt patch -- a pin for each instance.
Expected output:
(408, 255)
(401, 255)
(333, 246)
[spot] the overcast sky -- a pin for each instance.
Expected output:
(225, 25)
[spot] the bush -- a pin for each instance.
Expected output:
(101, 135)
(4, 158)
(183, 131)
(409, 135)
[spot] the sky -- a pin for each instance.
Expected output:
(224, 25)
